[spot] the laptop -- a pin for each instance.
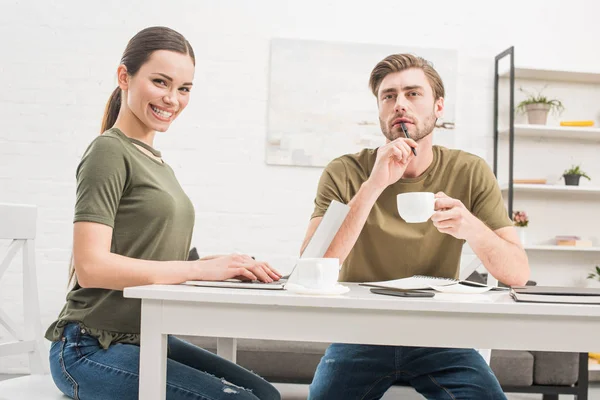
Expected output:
(557, 290)
(316, 248)
(555, 294)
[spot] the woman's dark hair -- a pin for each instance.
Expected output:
(138, 51)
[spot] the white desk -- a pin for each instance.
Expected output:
(490, 320)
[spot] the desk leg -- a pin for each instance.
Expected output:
(153, 353)
(227, 348)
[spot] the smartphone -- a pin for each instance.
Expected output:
(403, 293)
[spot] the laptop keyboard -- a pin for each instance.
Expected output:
(279, 282)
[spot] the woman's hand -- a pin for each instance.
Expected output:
(239, 266)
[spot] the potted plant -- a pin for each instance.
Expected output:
(594, 277)
(537, 107)
(573, 174)
(520, 220)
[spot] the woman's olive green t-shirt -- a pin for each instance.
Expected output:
(152, 219)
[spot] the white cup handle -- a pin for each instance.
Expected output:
(435, 199)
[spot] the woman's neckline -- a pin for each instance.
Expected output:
(143, 145)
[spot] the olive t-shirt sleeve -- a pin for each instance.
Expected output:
(488, 204)
(332, 186)
(101, 180)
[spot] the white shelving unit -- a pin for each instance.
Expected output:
(523, 187)
(550, 247)
(523, 72)
(561, 134)
(560, 273)
(554, 132)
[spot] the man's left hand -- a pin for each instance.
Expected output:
(452, 217)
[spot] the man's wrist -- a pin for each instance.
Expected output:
(372, 189)
(479, 236)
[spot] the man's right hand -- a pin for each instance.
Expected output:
(390, 164)
(392, 160)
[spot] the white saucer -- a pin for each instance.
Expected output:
(298, 289)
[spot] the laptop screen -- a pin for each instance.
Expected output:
(330, 224)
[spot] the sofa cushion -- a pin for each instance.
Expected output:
(512, 368)
(288, 367)
(262, 345)
(555, 368)
(274, 360)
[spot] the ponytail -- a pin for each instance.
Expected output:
(111, 112)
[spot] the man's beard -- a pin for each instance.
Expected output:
(396, 132)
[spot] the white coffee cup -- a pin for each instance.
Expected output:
(317, 273)
(416, 207)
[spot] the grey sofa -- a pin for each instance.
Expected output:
(551, 373)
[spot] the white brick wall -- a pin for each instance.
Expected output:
(57, 70)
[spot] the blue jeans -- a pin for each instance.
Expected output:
(361, 372)
(81, 369)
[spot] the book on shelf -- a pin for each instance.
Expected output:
(575, 243)
(576, 123)
(530, 181)
(572, 241)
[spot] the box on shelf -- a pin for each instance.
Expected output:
(576, 123)
(531, 181)
(572, 241)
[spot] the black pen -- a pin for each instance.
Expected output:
(407, 136)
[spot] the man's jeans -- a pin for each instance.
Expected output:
(361, 372)
(81, 369)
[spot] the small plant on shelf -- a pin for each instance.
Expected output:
(537, 106)
(595, 275)
(573, 174)
(520, 219)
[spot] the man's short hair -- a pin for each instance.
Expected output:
(401, 62)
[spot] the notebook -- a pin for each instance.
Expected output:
(421, 282)
(555, 294)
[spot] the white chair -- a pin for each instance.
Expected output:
(30, 387)
(18, 224)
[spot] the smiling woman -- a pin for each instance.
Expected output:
(152, 73)
(133, 226)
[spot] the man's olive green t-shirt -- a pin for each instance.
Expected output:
(389, 248)
(152, 219)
